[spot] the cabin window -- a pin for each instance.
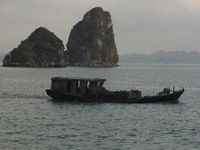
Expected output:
(55, 85)
(52, 85)
(83, 87)
(78, 87)
(58, 85)
(93, 87)
(74, 85)
(62, 86)
(101, 83)
(68, 86)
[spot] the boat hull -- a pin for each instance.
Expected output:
(173, 97)
(115, 97)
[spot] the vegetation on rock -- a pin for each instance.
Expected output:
(91, 41)
(41, 49)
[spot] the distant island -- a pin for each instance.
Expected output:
(91, 43)
(41, 49)
(192, 57)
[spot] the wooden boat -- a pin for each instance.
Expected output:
(92, 90)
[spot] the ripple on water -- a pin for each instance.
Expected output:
(30, 120)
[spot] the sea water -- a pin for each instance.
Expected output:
(29, 119)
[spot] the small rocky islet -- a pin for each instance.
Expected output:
(41, 49)
(91, 43)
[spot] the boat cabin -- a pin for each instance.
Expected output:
(81, 86)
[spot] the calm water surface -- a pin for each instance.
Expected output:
(29, 119)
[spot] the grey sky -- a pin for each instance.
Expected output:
(141, 26)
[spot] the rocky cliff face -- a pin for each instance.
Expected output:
(41, 49)
(91, 41)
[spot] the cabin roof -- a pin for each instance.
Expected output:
(77, 79)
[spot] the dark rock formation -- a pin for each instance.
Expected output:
(91, 41)
(41, 49)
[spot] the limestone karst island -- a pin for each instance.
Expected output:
(91, 43)
(41, 49)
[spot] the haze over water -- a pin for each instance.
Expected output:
(30, 119)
